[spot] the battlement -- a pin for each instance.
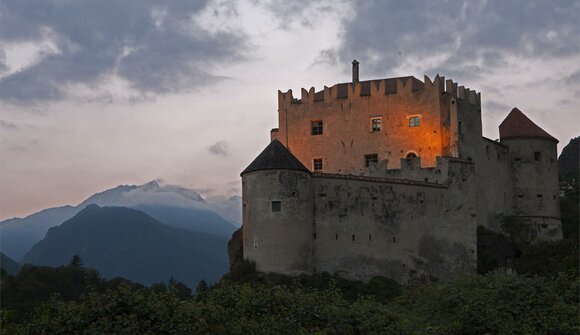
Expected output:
(380, 87)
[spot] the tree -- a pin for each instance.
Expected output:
(76, 262)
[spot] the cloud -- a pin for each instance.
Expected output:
(155, 47)
(219, 148)
(6, 125)
(457, 37)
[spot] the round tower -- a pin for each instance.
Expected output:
(278, 212)
(534, 173)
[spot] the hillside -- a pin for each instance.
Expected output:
(8, 264)
(569, 161)
(124, 242)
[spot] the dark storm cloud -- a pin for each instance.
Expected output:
(219, 148)
(383, 35)
(154, 45)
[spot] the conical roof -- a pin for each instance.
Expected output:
(517, 125)
(275, 156)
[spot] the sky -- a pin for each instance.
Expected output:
(98, 93)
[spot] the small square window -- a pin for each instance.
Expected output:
(375, 124)
(276, 206)
(537, 156)
(316, 127)
(317, 164)
(371, 159)
(414, 121)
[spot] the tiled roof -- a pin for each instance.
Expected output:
(517, 125)
(275, 156)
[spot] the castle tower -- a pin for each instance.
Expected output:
(533, 167)
(277, 212)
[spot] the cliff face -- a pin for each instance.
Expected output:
(568, 162)
(236, 248)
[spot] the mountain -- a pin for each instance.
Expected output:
(18, 235)
(8, 264)
(169, 204)
(125, 242)
(228, 208)
(569, 161)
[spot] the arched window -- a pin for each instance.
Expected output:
(411, 155)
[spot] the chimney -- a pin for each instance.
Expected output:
(354, 72)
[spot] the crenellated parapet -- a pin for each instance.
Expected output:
(380, 88)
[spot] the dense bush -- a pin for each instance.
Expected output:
(475, 305)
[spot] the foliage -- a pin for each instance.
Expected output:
(475, 305)
(495, 304)
(570, 214)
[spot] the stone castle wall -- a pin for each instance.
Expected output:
(346, 111)
(406, 231)
(362, 226)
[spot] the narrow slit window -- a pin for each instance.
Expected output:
(276, 206)
(370, 237)
(353, 237)
(336, 237)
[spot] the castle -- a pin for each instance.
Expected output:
(391, 178)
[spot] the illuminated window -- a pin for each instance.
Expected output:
(276, 206)
(317, 164)
(375, 124)
(414, 121)
(316, 127)
(371, 159)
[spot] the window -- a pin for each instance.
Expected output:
(276, 206)
(317, 164)
(375, 124)
(414, 121)
(459, 127)
(316, 127)
(411, 155)
(537, 156)
(371, 159)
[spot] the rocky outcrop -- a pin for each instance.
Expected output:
(236, 248)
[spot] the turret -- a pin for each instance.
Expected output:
(277, 212)
(534, 172)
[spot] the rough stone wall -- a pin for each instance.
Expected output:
(360, 227)
(406, 231)
(469, 133)
(494, 185)
(411, 170)
(347, 133)
(535, 188)
(280, 241)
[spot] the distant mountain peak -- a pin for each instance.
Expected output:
(147, 194)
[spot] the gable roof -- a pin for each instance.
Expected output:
(517, 125)
(275, 157)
